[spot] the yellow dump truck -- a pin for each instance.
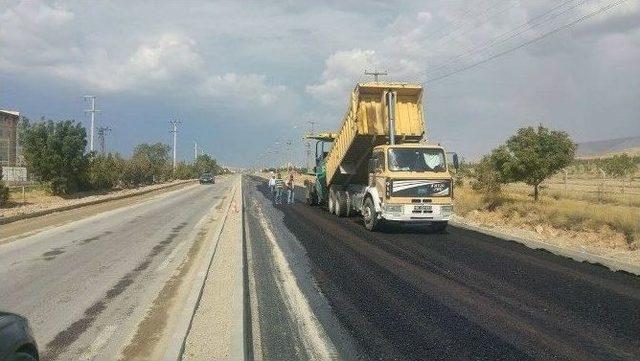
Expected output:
(379, 165)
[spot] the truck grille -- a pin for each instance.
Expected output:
(421, 188)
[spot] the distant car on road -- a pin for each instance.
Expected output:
(16, 339)
(207, 178)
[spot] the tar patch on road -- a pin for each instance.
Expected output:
(51, 255)
(65, 338)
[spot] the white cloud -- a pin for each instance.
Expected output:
(34, 33)
(235, 88)
(341, 71)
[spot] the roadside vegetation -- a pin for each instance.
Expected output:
(56, 156)
(494, 191)
(4, 191)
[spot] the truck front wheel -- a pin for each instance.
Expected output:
(341, 204)
(371, 221)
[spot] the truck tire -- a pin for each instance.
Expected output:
(348, 202)
(341, 203)
(371, 221)
(439, 227)
(312, 198)
(332, 201)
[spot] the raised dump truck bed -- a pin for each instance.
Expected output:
(365, 125)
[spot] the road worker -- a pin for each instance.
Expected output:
(279, 185)
(290, 189)
(272, 183)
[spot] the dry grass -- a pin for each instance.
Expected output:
(572, 215)
(590, 190)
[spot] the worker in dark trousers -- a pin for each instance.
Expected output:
(279, 189)
(290, 189)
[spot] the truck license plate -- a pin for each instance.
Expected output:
(423, 209)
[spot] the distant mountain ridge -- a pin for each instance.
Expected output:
(609, 146)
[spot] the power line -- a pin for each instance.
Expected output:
(485, 14)
(527, 43)
(513, 33)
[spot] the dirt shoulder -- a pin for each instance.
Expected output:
(598, 233)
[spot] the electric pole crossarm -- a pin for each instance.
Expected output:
(375, 74)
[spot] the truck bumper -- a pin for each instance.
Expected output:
(414, 213)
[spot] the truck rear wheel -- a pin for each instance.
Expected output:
(341, 203)
(332, 201)
(312, 197)
(371, 221)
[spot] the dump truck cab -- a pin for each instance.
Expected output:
(408, 183)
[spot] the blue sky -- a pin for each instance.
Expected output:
(244, 75)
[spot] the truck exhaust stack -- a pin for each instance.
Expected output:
(390, 99)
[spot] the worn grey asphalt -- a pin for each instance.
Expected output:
(85, 286)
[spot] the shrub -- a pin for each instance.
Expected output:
(4, 191)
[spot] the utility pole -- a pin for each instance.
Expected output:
(290, 155)
(174, 129)
(375, 74)
(195, 150)
(308, 145)
(93, 112)
(102, 132)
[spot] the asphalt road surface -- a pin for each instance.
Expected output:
(411, 295)
(85, 286)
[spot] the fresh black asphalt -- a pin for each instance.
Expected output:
(410, 294)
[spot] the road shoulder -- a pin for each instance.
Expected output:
(216, 331)
(577, 255)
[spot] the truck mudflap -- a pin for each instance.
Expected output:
(417, 213)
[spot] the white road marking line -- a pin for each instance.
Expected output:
(313, 335)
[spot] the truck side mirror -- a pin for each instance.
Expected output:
(456, 164)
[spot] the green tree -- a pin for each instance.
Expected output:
(151, 161)
(185, 171)
(532, 155)
(4, 191)
(55, 152)
(488, 177)
(106, 171)
(206, 164)
(619, 165)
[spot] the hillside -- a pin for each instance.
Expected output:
(599, 148)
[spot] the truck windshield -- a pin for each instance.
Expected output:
(416, 160)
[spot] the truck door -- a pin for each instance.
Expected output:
(376, 176)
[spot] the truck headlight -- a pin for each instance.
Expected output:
(393, 208)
